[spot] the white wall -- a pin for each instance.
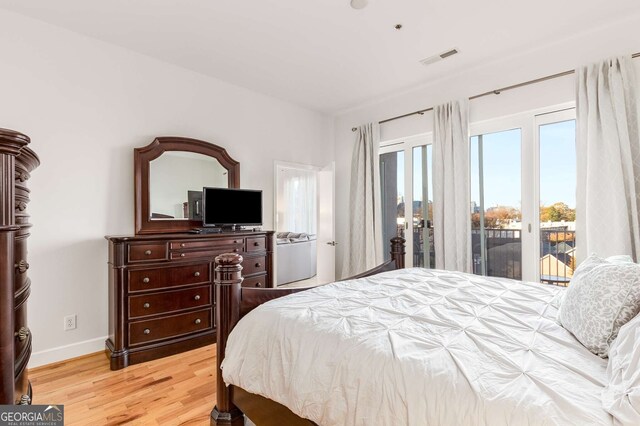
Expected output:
(86, 105)
(592, 45)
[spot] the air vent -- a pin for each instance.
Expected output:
(435, 58)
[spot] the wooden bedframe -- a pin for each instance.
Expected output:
(234, 302)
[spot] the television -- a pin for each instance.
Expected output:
(225, 207)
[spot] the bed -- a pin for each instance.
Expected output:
(402, 346)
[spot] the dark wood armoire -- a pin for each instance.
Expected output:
(16, 163)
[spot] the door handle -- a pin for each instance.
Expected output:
(332, 243)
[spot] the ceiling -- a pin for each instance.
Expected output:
(322, 54)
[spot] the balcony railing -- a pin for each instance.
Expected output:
(557, 255)
(503, 254)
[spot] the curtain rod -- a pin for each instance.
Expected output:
(492, 92)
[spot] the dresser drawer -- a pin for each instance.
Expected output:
(174, 276)
(171, 301)
(190, 244)
(252, 265)
(203, 254)
(255, 282)
(22, 334)
(169, 326)
(256, 244)
(143, 252)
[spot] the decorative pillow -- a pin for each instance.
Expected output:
(601, 298)
(621, 396)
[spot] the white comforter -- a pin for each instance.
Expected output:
(419, 347)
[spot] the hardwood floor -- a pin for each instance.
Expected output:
(177, 390)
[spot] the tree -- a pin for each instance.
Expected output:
(557, 212)
(496, 217)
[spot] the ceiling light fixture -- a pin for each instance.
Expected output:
(359, 4)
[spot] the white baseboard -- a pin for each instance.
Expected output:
(62, 353)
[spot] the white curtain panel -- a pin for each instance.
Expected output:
(608, 160)
(364, 246)
(451, 187)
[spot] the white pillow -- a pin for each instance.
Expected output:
(621, 396)
(620, 258)
(602, 297)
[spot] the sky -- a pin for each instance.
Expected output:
(502, 167)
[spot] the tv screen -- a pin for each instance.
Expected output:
(222, 206)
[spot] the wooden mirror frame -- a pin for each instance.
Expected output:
(141, 159)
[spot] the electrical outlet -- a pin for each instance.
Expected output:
(70, 322)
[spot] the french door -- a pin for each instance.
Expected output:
(523, 182)
(406, 189)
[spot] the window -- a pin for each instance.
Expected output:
(424, 254)
(496, 211)
(406, 188)
(557, 181)
(523, 183)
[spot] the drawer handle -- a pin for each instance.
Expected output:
(145, 280)
(147, 252)
(196, 297)
(147, 331)
(258, 284)
(183, 245)
(25, 400)
(235, 250)
(22, 176)
(22, 334)
(198, 321)
(256, 244)
(182, 255)
(196, 274)
(22, 266)
(235, 242)
(146, 305)
(258, 265)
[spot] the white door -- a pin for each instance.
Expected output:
(326, 267)
(523, 196)
(406, 197)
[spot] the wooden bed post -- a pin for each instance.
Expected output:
(228, 285)
(397, 251)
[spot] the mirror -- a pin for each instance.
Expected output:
(169, 176)
(176, 180)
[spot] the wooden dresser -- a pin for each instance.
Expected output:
(161, 299)
(16, 163)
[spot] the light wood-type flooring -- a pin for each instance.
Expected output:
(177, 390)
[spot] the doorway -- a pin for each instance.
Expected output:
(304, 224)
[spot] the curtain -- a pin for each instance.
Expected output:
(608, 160)
(364, 246)
(297, 194)
(451, 187)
